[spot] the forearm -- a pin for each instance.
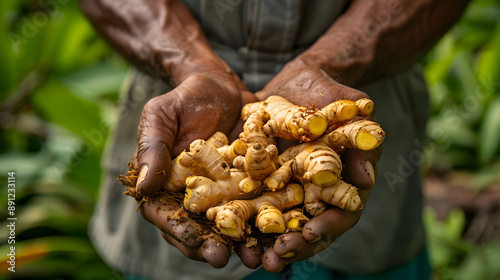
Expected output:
(159, 35)
(378, 37)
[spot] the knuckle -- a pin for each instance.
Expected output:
(152, 104)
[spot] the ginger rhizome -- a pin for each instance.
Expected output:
(340, 194)
(219, 183)
(287, 120)
(295, 219)
(231, 218)
(314, 162)
(249, 182)
(203, 193)
(253, 128)
(340, 111)
(364, 135)
(185, 165)
(258, 161)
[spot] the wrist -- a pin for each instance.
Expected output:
(207, 65)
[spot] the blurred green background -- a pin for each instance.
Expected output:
(59, 85)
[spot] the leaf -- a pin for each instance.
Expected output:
(72, 43)
(439, 66)
(438, 96)
(445, 237)
(454, 129)
(489, 133)
(24, 255)
(9, 46)
(54, 212)
(55, 256)
(488, 67)
(86, 172)
(27, 166)
(486, 176)
(482, 263)
(60, 106)
(94, 81)
(462, 65)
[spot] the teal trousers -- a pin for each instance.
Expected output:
(417, 269)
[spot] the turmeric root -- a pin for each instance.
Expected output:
(209, 158)
(220, 183)
(203, 193)
(365, 107)
(315, 162)
(288, 121)
(364, 135)
(228, 181)
(340, 111)
(179, 172)
(258, 161)
(252, 129)
(229, 153)
(279, 178)
(184, 165)
(248, 185)
(295, 219)
(340, 194)
(219, 139)
(232, 217)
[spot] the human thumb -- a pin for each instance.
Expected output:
(155, 138)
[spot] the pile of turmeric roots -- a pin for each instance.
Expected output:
(278, 191)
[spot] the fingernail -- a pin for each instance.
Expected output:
(288, 255)
(316, 239)
(371, 171)
(142, 175)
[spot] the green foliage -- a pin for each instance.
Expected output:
(446, 243)
(455, 258)
(464, 78)
(463, 72)
(59, 85)
(489, 132)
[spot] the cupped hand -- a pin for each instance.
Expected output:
(308, 86)
(197, 108)
(321, 231)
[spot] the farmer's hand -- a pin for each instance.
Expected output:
(306, 87)
(197, 108)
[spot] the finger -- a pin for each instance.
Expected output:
(293, 247)
(361, 167)
(170, 218)
(326, 90)
(189, 252)
(250, 256)
(288, 245)
(156, 134)
(189, 237)
(331, 224)
(248, 97)
(312, 86)
(212, 251)
(271, 262)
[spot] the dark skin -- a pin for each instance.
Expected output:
(372, 39)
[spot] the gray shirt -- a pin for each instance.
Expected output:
(256, 38)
